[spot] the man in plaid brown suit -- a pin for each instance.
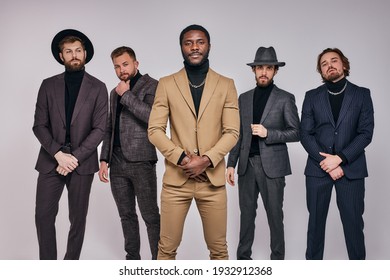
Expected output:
(128, 153)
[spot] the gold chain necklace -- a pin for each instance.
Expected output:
(197, 86)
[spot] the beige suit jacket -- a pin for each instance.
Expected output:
(213, 133)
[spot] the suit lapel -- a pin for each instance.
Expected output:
(137, 89)
(324, 103)
(212, 79)
(348, 94)
(184, 88)
(247, 108)
(113, 104)
(270, 102)
(82, 97)
(59, 91)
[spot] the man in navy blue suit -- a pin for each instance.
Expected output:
(337, 124)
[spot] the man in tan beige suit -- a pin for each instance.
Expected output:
(202, 110)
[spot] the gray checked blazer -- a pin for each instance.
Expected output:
(137, 104)
(280, 118)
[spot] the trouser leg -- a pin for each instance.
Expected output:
(175, 203)
(350, 201)
(212, 206)
(318, 195)
(272, 193)
(79, 188)
(49, 189)
(248, 193)
(145, 185)
(123, 192)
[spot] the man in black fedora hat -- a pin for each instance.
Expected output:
(69, 122)
(269, 119)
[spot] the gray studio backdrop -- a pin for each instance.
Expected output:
(299, 31)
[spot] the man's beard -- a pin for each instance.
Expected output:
(74, 68)
(125, 77)
(333, 77)
(263, 84)
(188, 61)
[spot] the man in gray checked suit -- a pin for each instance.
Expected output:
(269, 119)
(128, 153)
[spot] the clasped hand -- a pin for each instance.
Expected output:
(66, 163)
(331, 165)
(195, 166)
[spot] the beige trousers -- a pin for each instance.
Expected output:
(211, 202)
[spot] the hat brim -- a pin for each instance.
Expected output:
(276, 63)
(71, 32)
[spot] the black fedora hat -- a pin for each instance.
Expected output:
(71, 32)
(266, 56)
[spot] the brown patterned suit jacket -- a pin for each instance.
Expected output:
(87, 126)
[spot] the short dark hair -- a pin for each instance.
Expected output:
(121, 50)
(344, 59)
(194, 27)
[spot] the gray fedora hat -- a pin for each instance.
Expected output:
(266, 56)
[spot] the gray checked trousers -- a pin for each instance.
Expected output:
(131, 182)
(253, 182)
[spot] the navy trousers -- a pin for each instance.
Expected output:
(350, 202)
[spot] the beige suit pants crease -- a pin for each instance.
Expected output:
(211, 202)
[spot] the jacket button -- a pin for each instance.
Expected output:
(195, 151)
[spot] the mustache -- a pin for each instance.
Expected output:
(198, 53)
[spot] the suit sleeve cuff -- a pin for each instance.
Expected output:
(183, 155)
(343, 158)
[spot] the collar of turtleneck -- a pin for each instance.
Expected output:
(266, 88)
(74, 76)
(196, 70)
(336, 87)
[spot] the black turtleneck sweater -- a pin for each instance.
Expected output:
(73, 82)
(119, 107)
(260, 98)
(196, 75)
(336, 100)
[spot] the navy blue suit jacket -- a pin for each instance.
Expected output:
(350, 135)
